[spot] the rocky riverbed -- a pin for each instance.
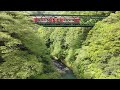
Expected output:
(66, 73)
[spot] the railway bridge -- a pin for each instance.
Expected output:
(57, 20)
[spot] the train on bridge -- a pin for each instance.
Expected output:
(56, 20)
(51, 20)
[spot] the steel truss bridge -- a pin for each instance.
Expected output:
(85, 20)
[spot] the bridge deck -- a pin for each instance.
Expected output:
(66, 25)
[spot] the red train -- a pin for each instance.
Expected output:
(56, 20)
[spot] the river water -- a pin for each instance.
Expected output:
(66, 73)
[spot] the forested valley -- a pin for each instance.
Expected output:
(31, 51)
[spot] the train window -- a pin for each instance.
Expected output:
(55, 19)
(43, 19)
(61, 19)
(51, 19)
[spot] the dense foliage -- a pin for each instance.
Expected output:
(23, 54)
(99, 56)
(26, 49)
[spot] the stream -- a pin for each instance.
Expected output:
(66, 73)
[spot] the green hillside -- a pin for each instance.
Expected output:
(23, 53)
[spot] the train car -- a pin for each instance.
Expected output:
(71, 21)
(77, 20)
(56, 20)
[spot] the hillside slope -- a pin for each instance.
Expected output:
(22, 53)
(99, 56)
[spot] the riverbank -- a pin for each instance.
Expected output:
(66, 73)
